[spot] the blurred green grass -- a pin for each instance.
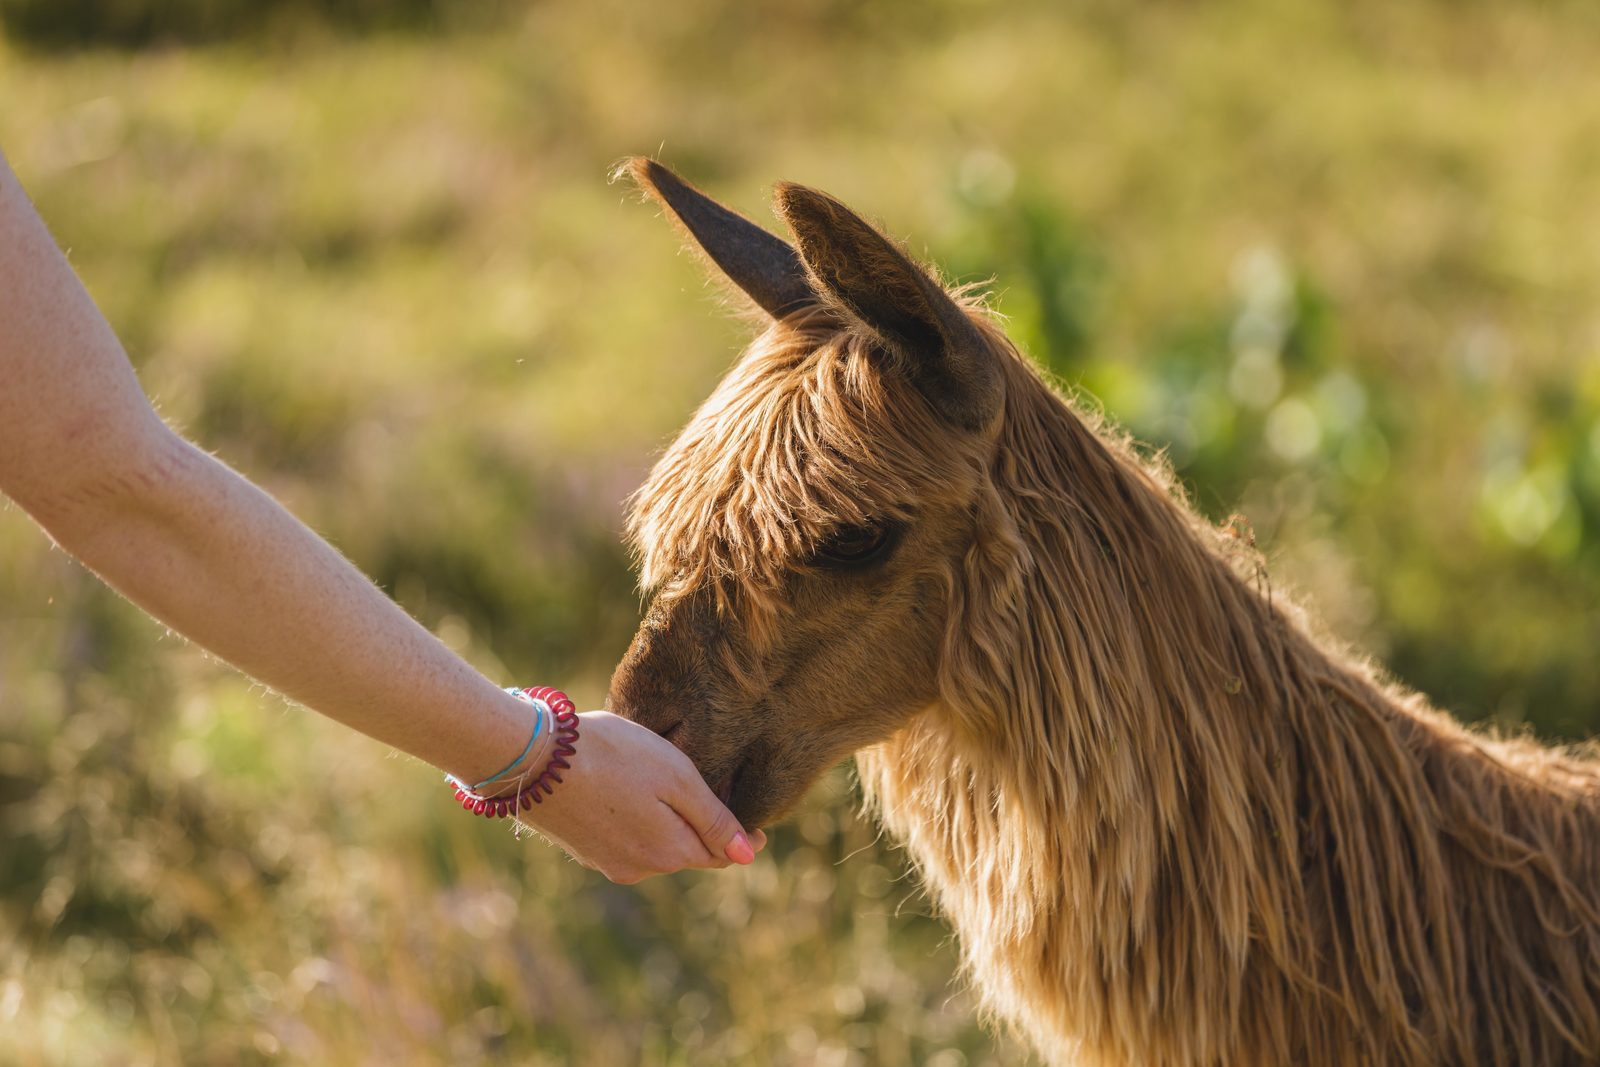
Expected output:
(1334, 259)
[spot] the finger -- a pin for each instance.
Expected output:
(680, 848)
(758, 838)
(718, 829)
(690, 847)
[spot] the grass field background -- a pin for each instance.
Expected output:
(1338, 259)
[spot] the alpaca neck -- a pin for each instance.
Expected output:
(1143, 651)
(1127, 683)
(1150, 801)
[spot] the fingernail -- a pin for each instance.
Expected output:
(739, 850)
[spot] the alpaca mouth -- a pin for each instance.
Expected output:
(724, 787)
(730, 782)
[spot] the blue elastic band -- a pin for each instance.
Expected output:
(538, 725)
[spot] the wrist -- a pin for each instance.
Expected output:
(537, 769)
(520, 739)
(538, 755)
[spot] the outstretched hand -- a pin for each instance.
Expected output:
(633, 805)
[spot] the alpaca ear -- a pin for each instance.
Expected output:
(764, 266)
(867, 274)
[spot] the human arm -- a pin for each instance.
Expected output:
(215, 558)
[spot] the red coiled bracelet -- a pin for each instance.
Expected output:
(541, 785)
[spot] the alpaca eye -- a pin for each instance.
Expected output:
(854, 545)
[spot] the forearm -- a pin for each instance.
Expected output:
(197, 546)
(219, 561)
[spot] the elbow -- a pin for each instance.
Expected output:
(140, 472)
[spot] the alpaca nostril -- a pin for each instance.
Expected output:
(671, 732)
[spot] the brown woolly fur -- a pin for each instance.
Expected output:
(801, 437)
(1170, 824)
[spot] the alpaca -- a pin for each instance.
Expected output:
(1170, 824)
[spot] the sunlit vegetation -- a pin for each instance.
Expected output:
(1337, 260)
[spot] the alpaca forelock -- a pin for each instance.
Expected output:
(1170, 822)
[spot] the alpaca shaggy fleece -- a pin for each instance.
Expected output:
(1171, 824)
(1195, 834)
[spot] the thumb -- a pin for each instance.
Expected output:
(718, 829)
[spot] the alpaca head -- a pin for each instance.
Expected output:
(803, 539)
